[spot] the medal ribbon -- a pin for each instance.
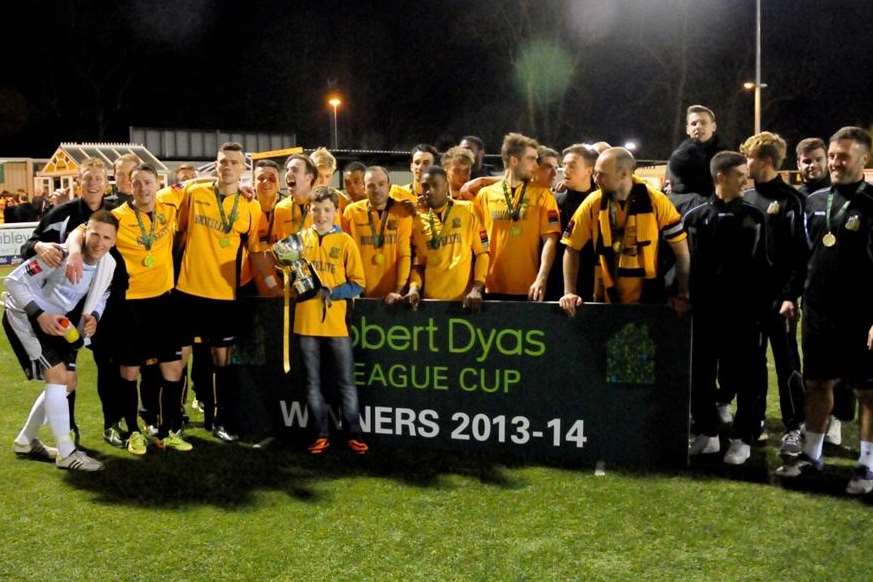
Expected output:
(514, 213)
(286, 320)
(227, 225)
(436, 237)
(378, 239)
(839, 212)
(146, 239)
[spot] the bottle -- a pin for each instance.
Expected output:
(71, 334)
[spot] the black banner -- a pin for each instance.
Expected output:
(611, 384)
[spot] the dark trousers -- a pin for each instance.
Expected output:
(340, 349)
(731, 350)
(782, 336)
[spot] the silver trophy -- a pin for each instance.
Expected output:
(289, 258)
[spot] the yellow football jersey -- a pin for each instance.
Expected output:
(214, 235)
(446, 242)
(336, 259)
(514, 245)
(148, 249)
(386, 266)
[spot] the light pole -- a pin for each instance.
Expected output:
(335, 103)
(757, 85)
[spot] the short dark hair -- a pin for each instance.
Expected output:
(700, 109)
(810, 144)
(514, 144)
(544, 152)
(587, 153)
(310, 167)
(438, 170)
(105, 217)
(476, 140)
(143, 167)
(322, 193)
(355, 166)
(724, 161)
(382, 169)
(856, 134)
(426, 148)
(268, 164)
(230, 146)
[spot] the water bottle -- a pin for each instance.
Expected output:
(71, 334)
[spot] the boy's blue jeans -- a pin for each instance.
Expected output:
(311, 348)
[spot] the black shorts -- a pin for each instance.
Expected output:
(54, 349)
(215, 321)
(835, 347)
(148, 329)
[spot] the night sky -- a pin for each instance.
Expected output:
(560, 70)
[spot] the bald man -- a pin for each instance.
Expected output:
(624, 220)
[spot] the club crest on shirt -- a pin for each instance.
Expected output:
(456, 223)
(853, 223)
(334, 252)
(569, 230)
(392, 224)
(774, 208)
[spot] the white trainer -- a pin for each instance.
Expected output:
(738, 453)
(35, 449)
(78, 461)
(704, 445)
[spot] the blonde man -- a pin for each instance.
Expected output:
(458, 163)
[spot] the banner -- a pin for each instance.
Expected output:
(12, 236)
(611, 384)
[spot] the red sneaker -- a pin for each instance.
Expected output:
(320, 445)
(358, 447)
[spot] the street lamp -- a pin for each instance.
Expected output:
(631, 146)
(335, 103)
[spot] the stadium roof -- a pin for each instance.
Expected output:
(68, 156)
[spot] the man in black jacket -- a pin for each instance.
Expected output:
(812, 163)
(688, 167)
(45, 242)
(787, 251)
(726, 238)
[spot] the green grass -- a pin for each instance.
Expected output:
(224, 512)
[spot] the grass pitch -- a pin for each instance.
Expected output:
(225, 512)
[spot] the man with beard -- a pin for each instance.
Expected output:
(522, 223)
(477, 147)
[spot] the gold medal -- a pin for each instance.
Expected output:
(515, 231)
(829, 240)
(148, 261)
(379, 259)
(616, 246)
(774, 208)
(224, 242)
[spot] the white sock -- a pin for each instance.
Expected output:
(58, 412)
(813, 445)
(35, 419)
(866, 456)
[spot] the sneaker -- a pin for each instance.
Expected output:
(174, 441)
(791, 444)
(801, 466)
(358, 446)
(834, 435)
(704, 445)
(861, 482)
(112, 436)
(78, 461)
(318, 447)
(137, 443)
(35, 450)
(224, 435)
(738, 453)
(724, 414)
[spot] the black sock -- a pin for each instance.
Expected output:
(71, 404)
(128, 403)
(171, 416)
